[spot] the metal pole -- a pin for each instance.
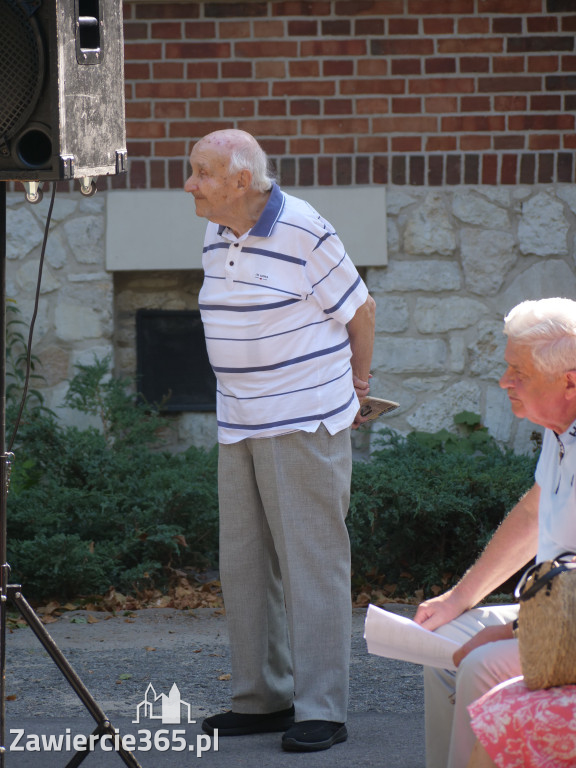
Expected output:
(12, 591)
(4, 568)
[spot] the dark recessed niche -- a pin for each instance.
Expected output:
(172, 361)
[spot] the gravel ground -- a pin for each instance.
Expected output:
(116, 657)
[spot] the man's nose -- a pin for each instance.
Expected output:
(190, 184)
(505, 380)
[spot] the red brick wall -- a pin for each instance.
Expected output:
(424, 92)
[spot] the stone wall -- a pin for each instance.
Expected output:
(459, 259)
(75, 311)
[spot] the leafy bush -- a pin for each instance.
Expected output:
(17, 384)
(94, 508)
(425, 506)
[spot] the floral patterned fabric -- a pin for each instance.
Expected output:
(520, 728)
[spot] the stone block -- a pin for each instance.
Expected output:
(198, 429)
(438, 412)
(429, 229)
(27, 278)
(85, 237)
(487, 258)
(438, 315)
(567, 192)
(498, 416)
(458, 357)
(543, 228)
(486, 351)
(431, 275)
(76, 322)
(546, 279)
(472, 208)
(392, 314)
(23, 233)
(397, 199)
(54, 365)
(408, 355)
(57, 254)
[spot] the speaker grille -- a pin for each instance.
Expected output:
(21, 67)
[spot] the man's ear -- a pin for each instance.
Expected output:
(570, 385)
(244, 180)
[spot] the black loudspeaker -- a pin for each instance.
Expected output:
(61, 89)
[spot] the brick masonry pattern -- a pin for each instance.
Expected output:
(409, 92)
(392, 92)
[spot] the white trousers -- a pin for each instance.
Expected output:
(449, 737)
(285, 572)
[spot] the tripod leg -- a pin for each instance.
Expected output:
(80, 755)
(78, 758)
(104, 724)
(2, 671)
(4, 568)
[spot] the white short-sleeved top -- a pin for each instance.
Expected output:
(555, 474)
(275, 303)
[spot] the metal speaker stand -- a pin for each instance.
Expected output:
(12, 593)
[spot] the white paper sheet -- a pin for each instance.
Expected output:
(397, 637)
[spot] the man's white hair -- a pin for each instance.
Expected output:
(249, 155)
(548, 327)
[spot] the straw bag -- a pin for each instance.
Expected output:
(547, 623)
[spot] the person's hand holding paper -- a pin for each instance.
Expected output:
(397, 637)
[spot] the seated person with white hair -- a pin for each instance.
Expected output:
(540, 381)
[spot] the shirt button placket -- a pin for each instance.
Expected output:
(231, 260)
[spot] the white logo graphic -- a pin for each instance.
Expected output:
(168, 709)
(161, 707)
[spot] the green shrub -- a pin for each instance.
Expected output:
(425, 506)
(94, 508)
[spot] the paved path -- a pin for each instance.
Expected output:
(118, 657)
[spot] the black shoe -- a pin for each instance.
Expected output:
(238, 724)
(313, 735)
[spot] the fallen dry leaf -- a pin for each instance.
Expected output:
(48, 619)
(183, 594)
(363, 599)
(48, 609)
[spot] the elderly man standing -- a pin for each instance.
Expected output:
(289, 329)
(541, 384)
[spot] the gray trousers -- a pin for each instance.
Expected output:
(449, 737)
(285, 572)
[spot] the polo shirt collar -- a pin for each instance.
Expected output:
(270, 214)
(268, 217)
(569, 436)
(566, 440)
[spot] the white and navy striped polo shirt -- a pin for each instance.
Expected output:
(275, 304)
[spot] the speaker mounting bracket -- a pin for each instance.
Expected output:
(121, 158)
(66, 166)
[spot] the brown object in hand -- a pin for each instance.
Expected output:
(372, 407)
